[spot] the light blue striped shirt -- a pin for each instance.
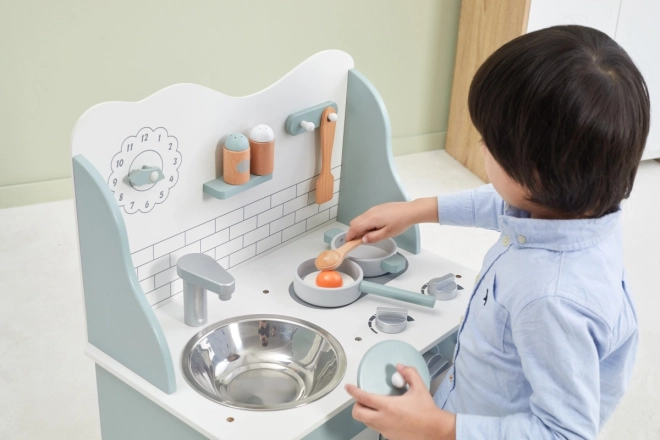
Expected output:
(548, 342)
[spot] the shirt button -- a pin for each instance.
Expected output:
(521, 239)
(505, 240)
(451, 378)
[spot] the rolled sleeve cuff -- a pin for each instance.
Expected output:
(471, 427)
(456, 209)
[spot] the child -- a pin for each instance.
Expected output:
(548, 342)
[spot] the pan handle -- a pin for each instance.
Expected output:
(398, 294)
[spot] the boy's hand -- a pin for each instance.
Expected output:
(413, 415)
(391, 219)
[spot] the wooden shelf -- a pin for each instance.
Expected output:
(220, 189)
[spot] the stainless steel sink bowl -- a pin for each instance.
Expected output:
(263, 362)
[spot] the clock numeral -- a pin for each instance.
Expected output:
(146, 205)
(129, 147)
(161, 194)
(171, 178)
(170, 145)
(176, 159)
(144, 137)
(132, 203)
(159, 137)
(120, 163)
(121, 197)
(114, 182)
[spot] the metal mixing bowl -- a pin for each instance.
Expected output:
(263, 362)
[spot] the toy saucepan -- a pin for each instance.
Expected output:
(306, 289)
(375, 259)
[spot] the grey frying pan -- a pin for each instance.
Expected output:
(341, 296)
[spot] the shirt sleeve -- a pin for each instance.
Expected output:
(560, 344)
(480, 207)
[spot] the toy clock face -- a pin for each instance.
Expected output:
(145, 169)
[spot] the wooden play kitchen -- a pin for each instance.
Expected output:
(249, 184)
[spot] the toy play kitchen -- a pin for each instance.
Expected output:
(200, 217)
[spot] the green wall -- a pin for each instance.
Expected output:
(58, 58)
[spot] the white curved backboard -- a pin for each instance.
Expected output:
(173, 216)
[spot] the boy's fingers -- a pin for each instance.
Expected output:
(375, 236)
(364, 414)
(412, 377)
(371, 400)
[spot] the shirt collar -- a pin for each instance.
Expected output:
(556, 235)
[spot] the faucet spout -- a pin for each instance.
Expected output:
(200, 273)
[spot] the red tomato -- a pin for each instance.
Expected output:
(329, 278)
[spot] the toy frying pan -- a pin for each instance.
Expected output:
(375, 259)
(350, 292)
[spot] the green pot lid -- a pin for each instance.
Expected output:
(237, 142)
(379, 364)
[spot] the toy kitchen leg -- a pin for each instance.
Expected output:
(126, 414)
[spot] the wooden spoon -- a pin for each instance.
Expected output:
(331, 259)
(326, 181)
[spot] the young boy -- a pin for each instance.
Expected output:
(548, 341)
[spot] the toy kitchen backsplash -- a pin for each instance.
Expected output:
(177, 137)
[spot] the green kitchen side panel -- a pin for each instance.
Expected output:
(128, 415)
(120, 321)
(368, 176)
(341, 427)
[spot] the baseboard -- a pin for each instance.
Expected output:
(418, 143)
(36, 192)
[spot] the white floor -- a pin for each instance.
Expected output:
(47, 387)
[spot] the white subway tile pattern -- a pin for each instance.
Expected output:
(282, 223)
(270, 215)
(242, 228)
(176, 286)
(228, 220)
(306, 212)
(318, 219)
(294, 231)
(192, 248)
(201, 231)
(257, 207)
(215, 240)
(228, 248)
(158, 295)
(283, 196)
(169, 245)
(269, 242)
(235, 237)
(244, 254)
(255, 236)
(165, 277)
(153, 267)
(147, 284)
(143, 256)
(295, 204)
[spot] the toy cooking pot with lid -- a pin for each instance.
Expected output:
(375, 259)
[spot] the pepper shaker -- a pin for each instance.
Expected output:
(236, 159)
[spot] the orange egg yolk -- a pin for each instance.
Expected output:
(329, 278)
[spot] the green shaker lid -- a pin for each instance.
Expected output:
(237, 142)
(379, 364)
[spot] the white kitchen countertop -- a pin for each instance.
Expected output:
(274, 272)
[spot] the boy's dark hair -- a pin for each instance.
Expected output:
(565, 112)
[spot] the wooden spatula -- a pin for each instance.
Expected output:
(326, 181)
(332, 259)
